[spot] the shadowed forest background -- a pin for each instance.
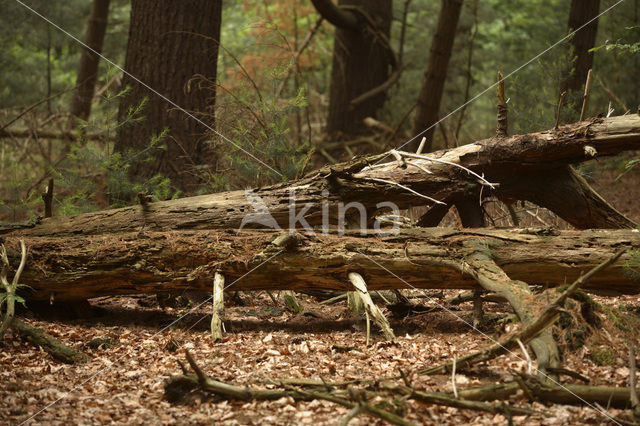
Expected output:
(271, 100)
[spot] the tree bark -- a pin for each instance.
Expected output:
(172, 46)
(89, 61)
(581, 12)
(362, 58)
(522, 165)
(132, 263)
(435, 73)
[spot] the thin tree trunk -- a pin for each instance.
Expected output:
(581, 12)
(361, 61)
(89, 61)
(435, 73)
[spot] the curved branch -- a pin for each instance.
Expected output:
(379, 89)
(338, 16)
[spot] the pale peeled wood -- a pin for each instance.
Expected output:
(378, 317)
(218, 306)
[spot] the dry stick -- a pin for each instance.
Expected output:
(351, 415)
(635, 403)
(470, 398)
(218, 307)
(453, 378)
(368, 318)
(291, 301)
(244, 393)
(501, 130)
(68, 135)
(403, 29)
(447, 400)
(585, 99)
(546, 318)
(35, 105)
(469, 76)
(307, 160)
(478, 314)
(378, 89)
(567, 372)
(406, 188)
(10, 288)
(333, 299)
(296, 55)
(366, 408)
(378, 317)
(229, 391)
(400, 123)
(483, 181)
(421, 147)
(560, 102)
(513, 215)
(48, 343)
(610, 93)
(526, 355)
(328, 156)
(47, 197)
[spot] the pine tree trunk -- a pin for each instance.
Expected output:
(171, 45)
(89, 61)
(435, 74)
(581, 12)
(361, 62)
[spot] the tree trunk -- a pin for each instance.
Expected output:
(151, 262)
(528, 167)
(89, 61)
(172, 46)
(581, 12)
(435, 73)
(362, 58)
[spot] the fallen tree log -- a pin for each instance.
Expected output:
(530, 167)
(567, 393)
(543, 346)
(91, 266)
(48, 343)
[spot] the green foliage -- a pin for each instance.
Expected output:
(264, 131)
(91, 169)
(101, 343)
(622, 45)
(602, 355)
(4, 296)
(632, 266)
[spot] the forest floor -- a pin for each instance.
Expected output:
(124, 381)
(141, 343)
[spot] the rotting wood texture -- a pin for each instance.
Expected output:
(91, 266)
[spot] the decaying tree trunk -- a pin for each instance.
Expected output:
(86, 267)
(529, 167)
